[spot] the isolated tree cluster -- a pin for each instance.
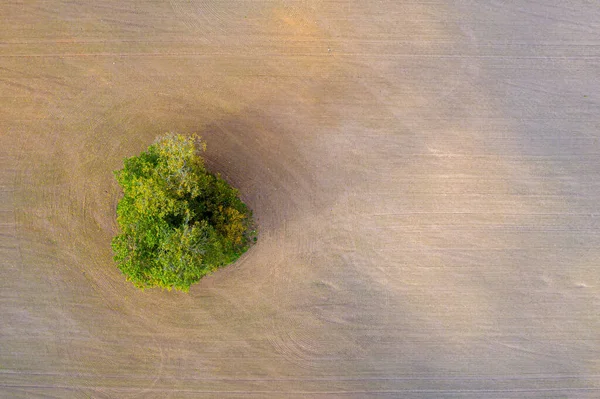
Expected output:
(178, 222)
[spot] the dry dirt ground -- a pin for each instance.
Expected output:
(426, 176)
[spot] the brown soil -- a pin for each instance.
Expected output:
(426, 177)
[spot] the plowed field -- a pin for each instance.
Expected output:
(425, 176)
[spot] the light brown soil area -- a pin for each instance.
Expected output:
(426, 177)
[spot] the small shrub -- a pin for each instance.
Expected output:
(178, 222)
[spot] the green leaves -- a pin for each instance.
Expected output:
(178, 222)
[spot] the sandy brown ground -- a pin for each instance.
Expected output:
(426, 176)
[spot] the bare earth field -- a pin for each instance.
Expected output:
(425, 174)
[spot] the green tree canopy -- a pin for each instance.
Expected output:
(178, 222)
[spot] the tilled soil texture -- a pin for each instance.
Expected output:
(425, 175)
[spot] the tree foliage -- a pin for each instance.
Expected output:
(178, 222)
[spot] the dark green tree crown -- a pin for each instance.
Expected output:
(178, 222)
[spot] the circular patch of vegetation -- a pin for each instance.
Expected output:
(178, 222)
